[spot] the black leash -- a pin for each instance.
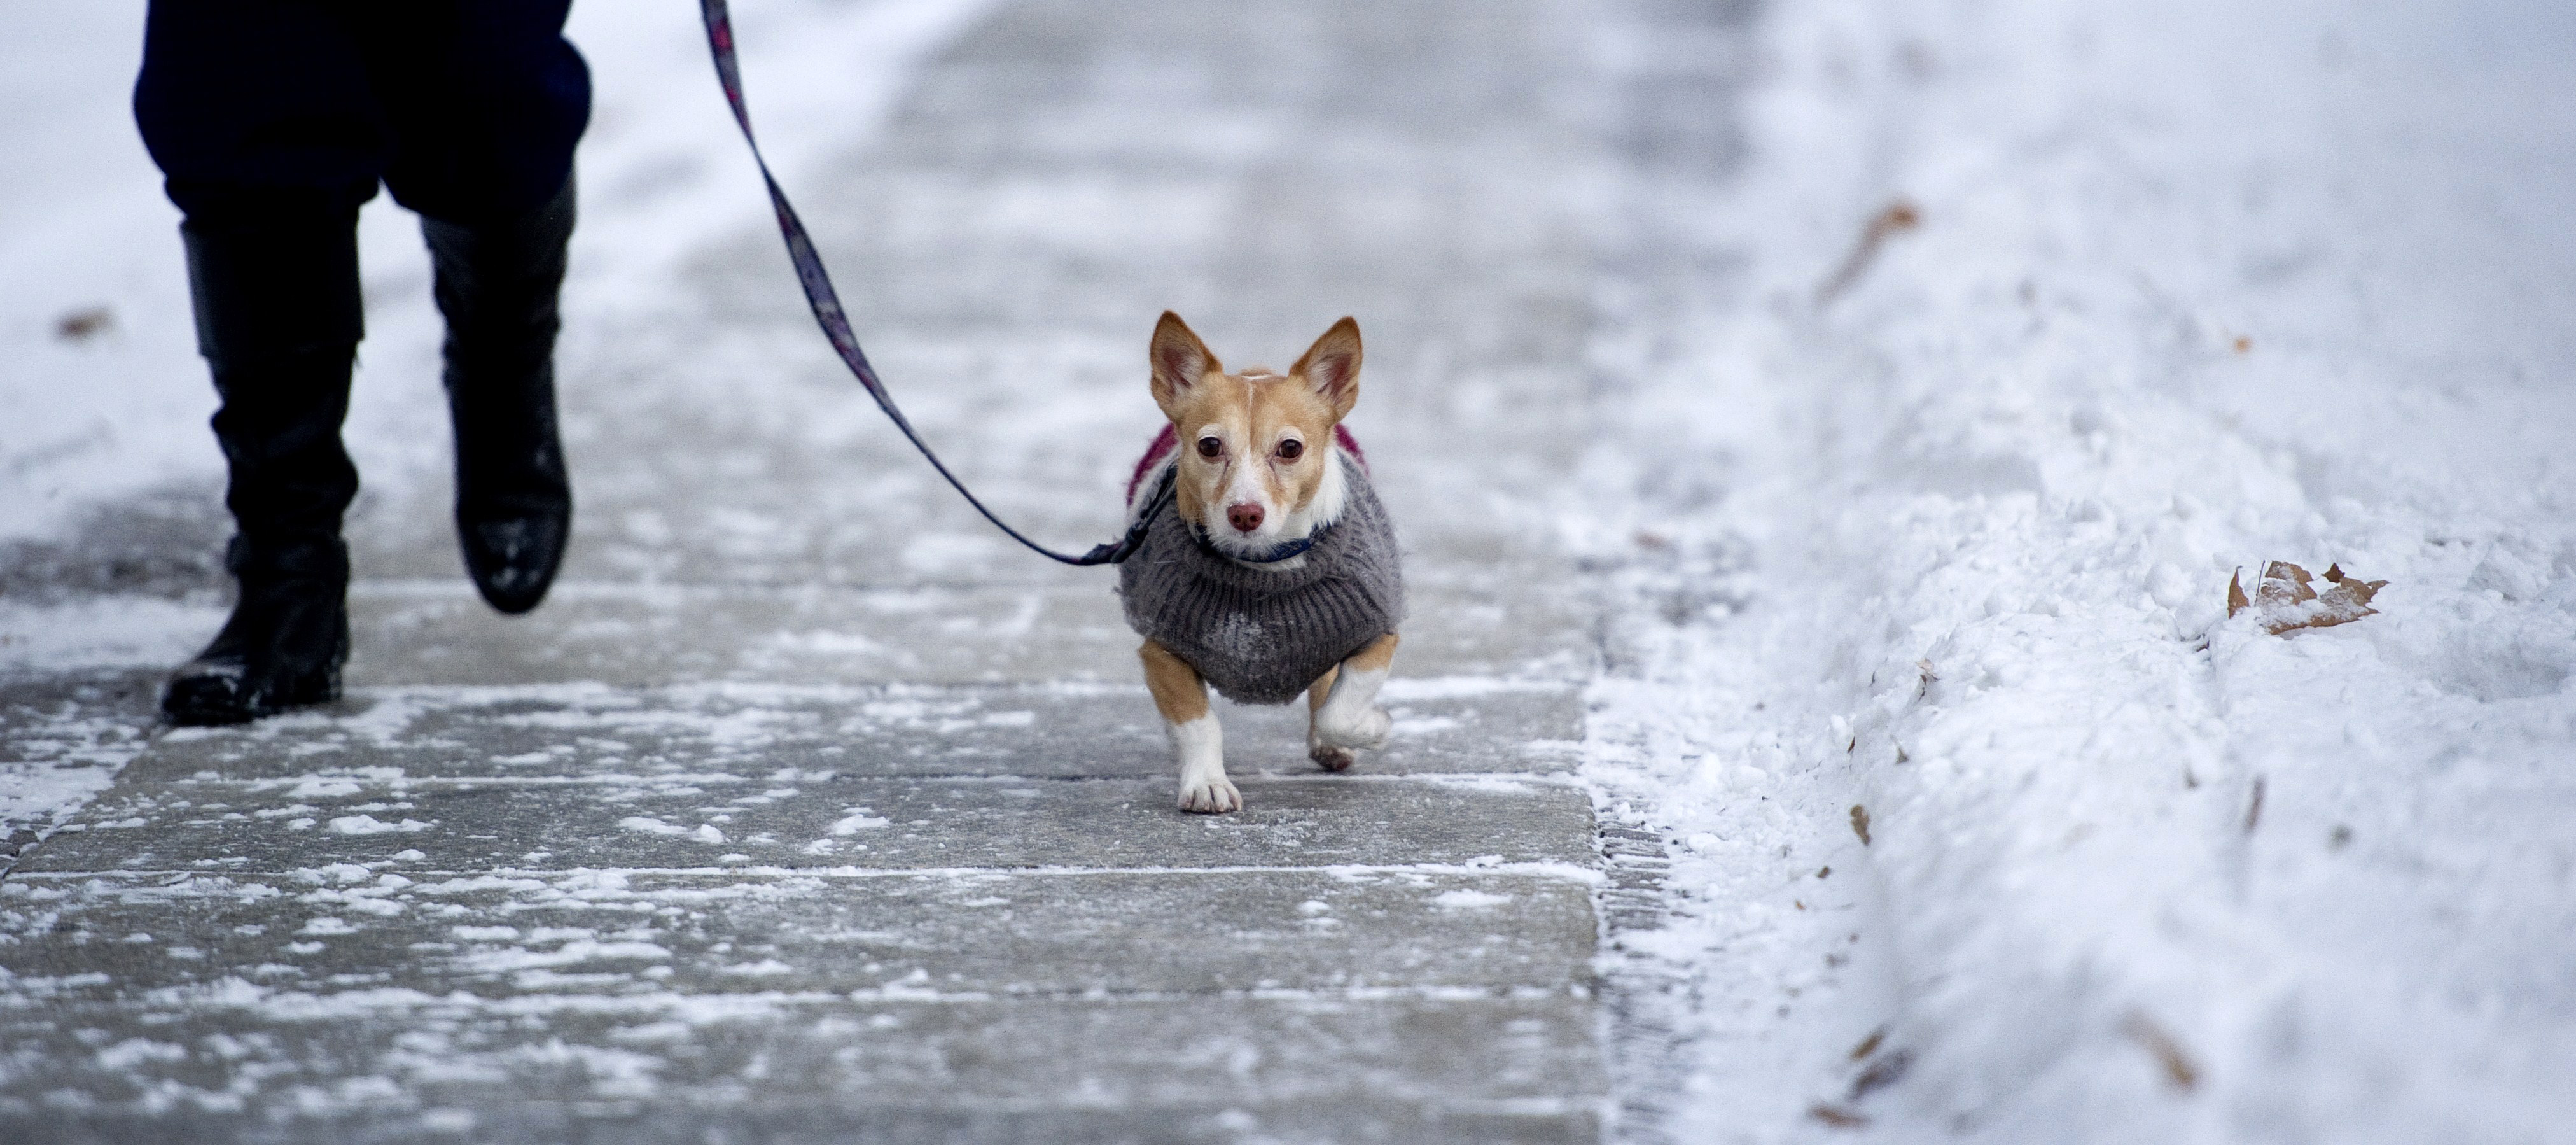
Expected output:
(836, 324)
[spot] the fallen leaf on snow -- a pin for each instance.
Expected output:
(83, 324)
(1900, 216)
(2286, 598)
(2168, 1053)
(1869, 1045)
(1837, 1117)
(1860, 823)
(1882, 1073)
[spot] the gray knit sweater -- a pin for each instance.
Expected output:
(1261, 633)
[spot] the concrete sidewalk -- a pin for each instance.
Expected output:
(805, 809)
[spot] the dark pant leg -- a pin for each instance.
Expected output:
(485, 99)
(261, 116)
(260, 109)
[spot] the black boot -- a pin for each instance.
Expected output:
(283, 646)
(497, 283)
(278, 320)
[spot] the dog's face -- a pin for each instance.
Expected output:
(1256, 447)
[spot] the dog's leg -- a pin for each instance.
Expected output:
(1344, 709)
(1326, 757)
(1197, 742)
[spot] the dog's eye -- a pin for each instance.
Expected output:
(1211, 447)
(1291, 449)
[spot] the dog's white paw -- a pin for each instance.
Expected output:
(1367, 728)
(1329, 758)
(1210, 795)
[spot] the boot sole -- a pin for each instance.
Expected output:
(196, 706)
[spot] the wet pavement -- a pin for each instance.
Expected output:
(807, 810)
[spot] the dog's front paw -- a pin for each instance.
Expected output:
(1367, 729)
(1330, 758)
(1210, 796)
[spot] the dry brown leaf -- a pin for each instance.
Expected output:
(2287, 599)
(1837, 1117)
(2283, 583)
(1886, 1071)
(2168, 1053)
(1899, 217)
(80, 325)
(1869, 1045)
(1860, 823)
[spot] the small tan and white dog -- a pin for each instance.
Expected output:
(1275, 570)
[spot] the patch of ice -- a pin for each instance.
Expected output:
(857, 819)
(575, 952)
(370, 825)
(133, 1052)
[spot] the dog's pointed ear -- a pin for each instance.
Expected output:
(1332, 366)
(1179, 360)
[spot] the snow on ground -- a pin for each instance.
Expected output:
(2189, 288)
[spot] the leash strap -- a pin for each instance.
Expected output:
(826, 304)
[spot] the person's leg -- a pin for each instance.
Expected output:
(487, 100)
(260, 117)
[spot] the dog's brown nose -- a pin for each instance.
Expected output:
(1244, 517)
